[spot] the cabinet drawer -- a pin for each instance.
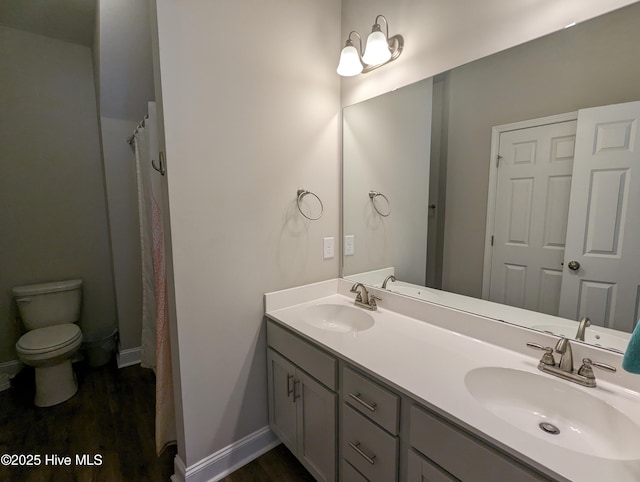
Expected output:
(371, 450)
(370, 399)
(312, 360)
(462, 455)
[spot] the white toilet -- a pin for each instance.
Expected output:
(49, 312)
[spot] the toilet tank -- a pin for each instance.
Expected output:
(48, 304)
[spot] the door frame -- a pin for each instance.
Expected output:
(496, 131)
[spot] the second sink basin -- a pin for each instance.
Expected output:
(337, 318)
(542, 406)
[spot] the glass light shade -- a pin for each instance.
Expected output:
(350, 64)
(377, 50)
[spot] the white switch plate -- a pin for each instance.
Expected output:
(328, 248)
(349, 245)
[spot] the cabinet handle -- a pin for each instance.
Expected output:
(356, 446)
(289, 389)
(295, 395)
(356, 397)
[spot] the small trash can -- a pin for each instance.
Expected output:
(98, 349)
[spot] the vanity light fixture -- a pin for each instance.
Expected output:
(380, 50)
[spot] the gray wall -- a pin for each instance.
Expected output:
(588, 65)
(52, 200)
(125, 84)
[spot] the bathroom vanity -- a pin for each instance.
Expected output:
(415, 391)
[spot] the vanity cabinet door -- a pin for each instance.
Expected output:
(423, 470)
(302, 413)
(316, 427)
(282, 407)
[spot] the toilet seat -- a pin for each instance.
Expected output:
(49, 339)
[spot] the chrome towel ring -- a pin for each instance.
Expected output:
(301, 194)
(373, 195)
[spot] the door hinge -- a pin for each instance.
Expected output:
(498, 157)
(492, 240)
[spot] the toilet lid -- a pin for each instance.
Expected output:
(49, 338)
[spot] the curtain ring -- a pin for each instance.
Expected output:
(301, 194)
(373, 195)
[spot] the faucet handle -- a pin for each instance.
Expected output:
(587, 371)
(547, 358)
(372, 300)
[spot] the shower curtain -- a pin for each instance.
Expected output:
(156, 347)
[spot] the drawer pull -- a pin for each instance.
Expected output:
(289, 388)
(356, 446)
(296, 396)
(356, 397)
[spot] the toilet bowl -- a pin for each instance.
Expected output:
(49, 312)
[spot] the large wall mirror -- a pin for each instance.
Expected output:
(509, 186)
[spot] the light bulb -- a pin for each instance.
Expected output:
(349, 64)
(377, 49)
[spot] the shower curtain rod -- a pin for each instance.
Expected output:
(140, 125)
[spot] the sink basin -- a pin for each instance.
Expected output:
(338, 318)
(539, 406)
(591, 336)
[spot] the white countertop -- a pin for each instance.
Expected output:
(429, 363)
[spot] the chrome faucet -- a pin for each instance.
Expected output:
(564, 369)
(582, 327)
(363, 298)
(386, 280)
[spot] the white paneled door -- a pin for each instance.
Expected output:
(531, 208)
(602, 257)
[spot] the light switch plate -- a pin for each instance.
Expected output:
(349, 245)
(328, 248)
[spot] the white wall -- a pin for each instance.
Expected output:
(442, 34)
(386, 148)
(52, 205)
(251, 110)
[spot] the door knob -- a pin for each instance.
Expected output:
(573, 265)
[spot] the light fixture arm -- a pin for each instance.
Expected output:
(350, 42)
(376, 26)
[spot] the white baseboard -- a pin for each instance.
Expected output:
(220, 464)
(11, 368)
(131, 356)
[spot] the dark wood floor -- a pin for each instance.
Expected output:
(112, 416)
(277, 465)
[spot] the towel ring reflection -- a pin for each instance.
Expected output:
(301, 194)
(373, 195)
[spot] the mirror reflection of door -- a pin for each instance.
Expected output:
(540, 189)
(604, 228)
(532, 202)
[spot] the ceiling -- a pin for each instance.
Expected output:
(67, 20)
